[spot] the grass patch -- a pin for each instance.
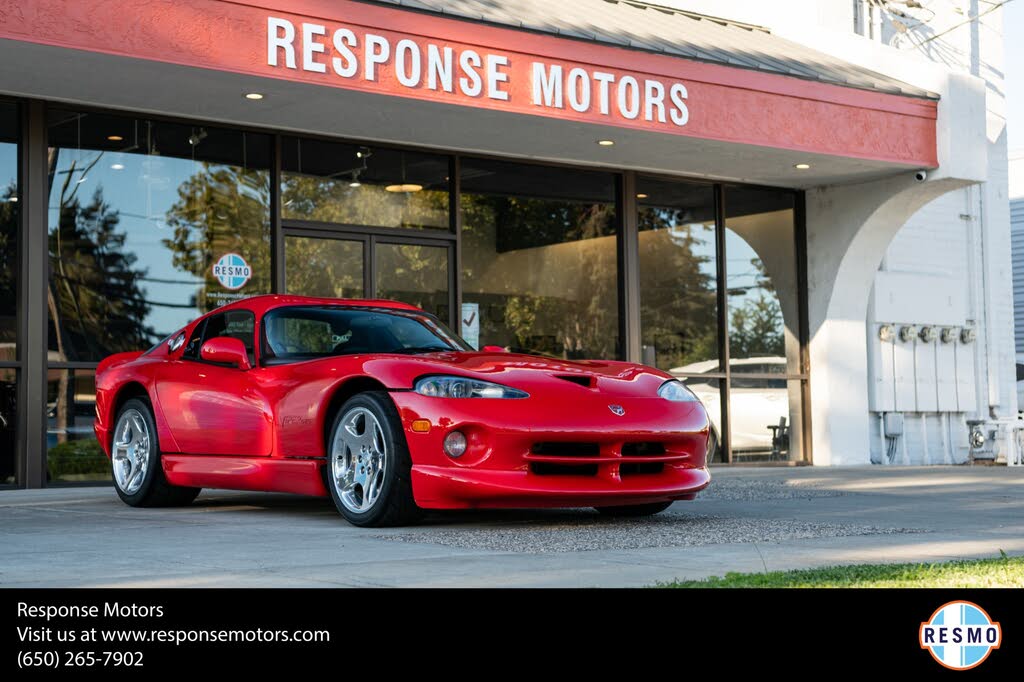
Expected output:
(1002, 572)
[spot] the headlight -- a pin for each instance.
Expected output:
(676, 391)
(461, 387)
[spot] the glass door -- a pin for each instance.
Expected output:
(354, 265)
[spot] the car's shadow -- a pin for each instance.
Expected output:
(318, 507)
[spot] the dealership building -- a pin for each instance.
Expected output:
(799, 209)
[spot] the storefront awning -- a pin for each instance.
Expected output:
(642, 26)
(674, 92)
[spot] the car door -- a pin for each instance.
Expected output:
(212, 409)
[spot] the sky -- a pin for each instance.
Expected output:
(1013, 60)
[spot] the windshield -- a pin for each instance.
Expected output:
(307, 332)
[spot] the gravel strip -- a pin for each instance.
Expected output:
(596, 533)
(760, 489)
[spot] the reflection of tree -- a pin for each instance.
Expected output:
(755, 328)
(335, 201)
(98, 306)
(222, 209)
(8, 262)
(677, 291)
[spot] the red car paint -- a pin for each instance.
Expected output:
(265, 428)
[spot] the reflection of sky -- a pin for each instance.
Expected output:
(141, 189)
(702, 246)
(8, 167)
(741, 274)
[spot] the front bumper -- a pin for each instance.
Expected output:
(555, 452)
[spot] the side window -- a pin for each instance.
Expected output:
(238, 324)
(194, 341)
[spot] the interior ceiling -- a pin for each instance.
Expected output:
(99, 80)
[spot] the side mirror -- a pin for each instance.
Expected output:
(225, 350)
(494, 349)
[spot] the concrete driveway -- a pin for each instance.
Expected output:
(750, 520)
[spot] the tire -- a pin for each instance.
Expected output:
(370, 488)
(634, 509)
(135, 458)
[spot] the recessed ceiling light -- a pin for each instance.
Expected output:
(114, 138)
(606, 143)
(13, 200)
(641, 196)
(404, 187)
(355, 183)
(802, 166)
(253, 95)
(117, 166)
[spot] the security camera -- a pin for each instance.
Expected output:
(921, 176)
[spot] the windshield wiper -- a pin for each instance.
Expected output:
(423, 349)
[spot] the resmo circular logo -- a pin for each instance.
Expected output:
(960, 635)
(232, 271)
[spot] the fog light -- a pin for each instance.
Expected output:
(455, 444)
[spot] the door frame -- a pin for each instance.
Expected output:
(370, 237)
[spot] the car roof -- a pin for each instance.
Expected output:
(263, 303)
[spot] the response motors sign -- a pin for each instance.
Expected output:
(395, 63)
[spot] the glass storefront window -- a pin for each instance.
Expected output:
(72, 452)
(678, 276)
(539, 259)
(766, 421)
(9, 215)
(151, 224)
(764, 309)
(361, 185)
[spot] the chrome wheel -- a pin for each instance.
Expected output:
(131, 451)
(358, 460)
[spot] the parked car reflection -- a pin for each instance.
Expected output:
(759, 412)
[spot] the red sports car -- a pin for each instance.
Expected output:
(380, 406)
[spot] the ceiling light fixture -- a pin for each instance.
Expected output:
(802, 166)
(117, 166)
(404, 187)
(253, 96)
(641, 196)
(13, 200)
(606, 143)
(115, 138)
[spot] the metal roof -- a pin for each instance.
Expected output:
(642, 26)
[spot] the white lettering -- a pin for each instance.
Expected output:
(679, 113)
(603, 79)
(439, 68)
(378, 49)
(278, 41)
(471, 84)
(578, 90)
(629, 97)
(343, 40)
(407, 53)
(311, 45)
(547, 86)
(654, 97)
(496, 77)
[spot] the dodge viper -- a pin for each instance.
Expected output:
(379, 406)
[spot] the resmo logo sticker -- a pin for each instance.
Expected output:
(960, 635)
(232, 271)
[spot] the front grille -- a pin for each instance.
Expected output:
(634, 468)
(566, 449)
(643, 449)
(551, 469)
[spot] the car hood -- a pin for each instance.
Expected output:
(527, 372)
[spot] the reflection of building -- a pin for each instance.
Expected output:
(716, 199)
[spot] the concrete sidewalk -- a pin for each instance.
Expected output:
(749, 520)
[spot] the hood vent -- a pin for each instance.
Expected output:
(584, 381)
